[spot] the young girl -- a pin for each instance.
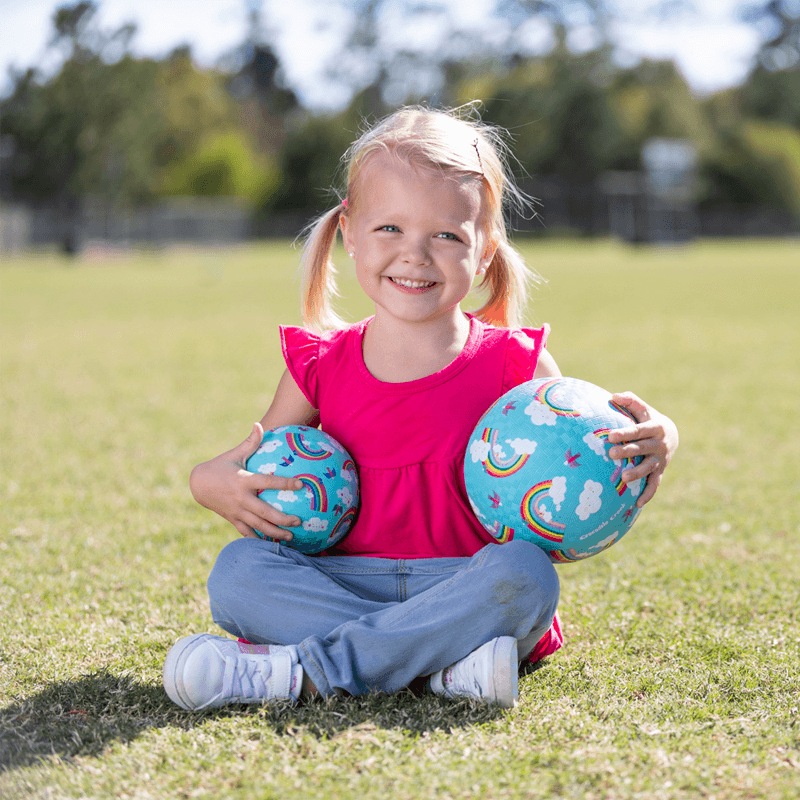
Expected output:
(417, 587)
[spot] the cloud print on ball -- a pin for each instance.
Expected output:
(328, 502)
(537, 468)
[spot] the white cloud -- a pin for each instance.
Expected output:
(607, 542)
(315, 524)
(269, 446)
(267, 469)
(636, 486)
(558, 491)
(287, 496)
(589, 502)
(479, 450)
(597, 444)
(477, 512)
(522, 446)
(345, 495)
(540, 415)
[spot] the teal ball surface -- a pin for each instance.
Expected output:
(537, 468)
(328, 502)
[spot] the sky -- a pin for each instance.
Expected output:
(712, 47)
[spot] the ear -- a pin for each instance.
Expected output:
(488, 254)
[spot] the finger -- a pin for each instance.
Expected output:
(645, 467)
(650, 429)
(257, 512)
(634, 404)
(260, 483)
(636, 449)
(265, 528)
(251, 443)
(649, 490)
(245, 530)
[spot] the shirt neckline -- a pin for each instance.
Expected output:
(407, 387)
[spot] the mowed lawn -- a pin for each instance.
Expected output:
(681, 671)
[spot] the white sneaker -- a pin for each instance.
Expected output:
(205, 671)
(488, 673)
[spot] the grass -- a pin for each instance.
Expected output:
(681, 671)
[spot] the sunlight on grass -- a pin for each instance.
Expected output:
(681, 671)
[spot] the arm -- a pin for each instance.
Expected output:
(654, 437)
(546, 366)
(224, 486)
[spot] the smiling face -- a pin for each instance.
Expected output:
(418, 240)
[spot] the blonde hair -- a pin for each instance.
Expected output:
(458, 147)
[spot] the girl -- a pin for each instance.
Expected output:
(418, 587)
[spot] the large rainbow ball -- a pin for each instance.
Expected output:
(537, 468)
(328, 502)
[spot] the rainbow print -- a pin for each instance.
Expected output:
(349, 466)
(299, 447)
(501, 533)
(542, 396)
(616, 478)
(533, 515)
(623, 411)
(319, 497)
(566, 556)
(496, 466)
(342, 525)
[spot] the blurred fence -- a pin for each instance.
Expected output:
(621, 205)
(199, 221)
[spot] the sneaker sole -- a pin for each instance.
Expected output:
(505, 683)
(173, 669)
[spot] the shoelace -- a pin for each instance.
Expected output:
(247, 678)
(463, 676)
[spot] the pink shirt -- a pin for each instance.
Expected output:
(408, 439)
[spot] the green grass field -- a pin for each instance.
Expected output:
(681, 671)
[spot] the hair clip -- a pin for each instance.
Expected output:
(344, 203)
(478, 152)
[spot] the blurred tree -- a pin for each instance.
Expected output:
(265, 103)
(755, 164)
(90, 129)
(778, 21)
(560, 120)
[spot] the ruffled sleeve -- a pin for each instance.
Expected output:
(522, 354)
(301, 352)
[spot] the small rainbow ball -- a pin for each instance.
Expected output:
(328, 502)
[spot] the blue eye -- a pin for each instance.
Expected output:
(449, 236)
(391, 228)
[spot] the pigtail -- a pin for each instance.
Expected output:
(319, 273)
(506, 284)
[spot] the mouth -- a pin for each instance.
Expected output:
(409, 284)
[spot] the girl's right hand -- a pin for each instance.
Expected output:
(224, 486)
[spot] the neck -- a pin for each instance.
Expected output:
(397, 352)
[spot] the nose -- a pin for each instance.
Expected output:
(416, 251)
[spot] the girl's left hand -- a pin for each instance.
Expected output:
(654, 437)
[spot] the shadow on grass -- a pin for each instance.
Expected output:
(83, 717)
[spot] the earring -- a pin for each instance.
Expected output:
(352, 254)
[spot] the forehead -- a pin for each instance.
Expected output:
(386, 180)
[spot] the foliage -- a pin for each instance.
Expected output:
(755, 163)
(126, 130)
(679, 678)
(89, 129)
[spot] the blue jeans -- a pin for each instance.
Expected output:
(375, 624)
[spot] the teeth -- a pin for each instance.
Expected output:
(412, 284)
